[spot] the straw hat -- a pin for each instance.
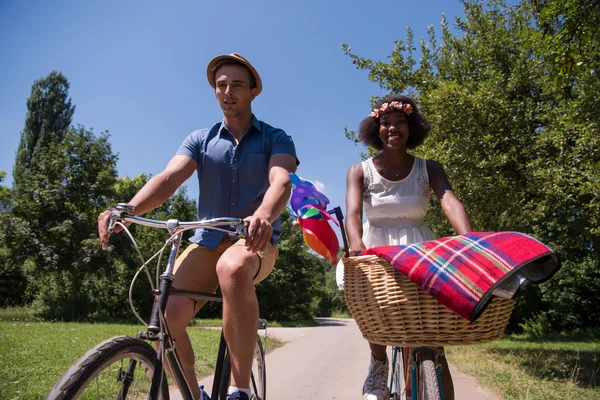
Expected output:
(210, 70)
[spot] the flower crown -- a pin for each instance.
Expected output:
(394, 105)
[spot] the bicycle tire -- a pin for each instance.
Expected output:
(100, 359)
(398, 379)
(429, 386)
(258, 376)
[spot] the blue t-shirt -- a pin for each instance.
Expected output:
(233, 177)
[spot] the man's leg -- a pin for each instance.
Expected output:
(236, 270)
(239, 270)
(194, 270)
(180, 311)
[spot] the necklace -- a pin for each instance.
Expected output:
(389, 168)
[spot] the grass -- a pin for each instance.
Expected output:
(522, 367)
(341, 314)
(33, 354)
(16, 313)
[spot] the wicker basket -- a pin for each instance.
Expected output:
(391, 310)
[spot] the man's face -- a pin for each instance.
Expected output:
(233, 90)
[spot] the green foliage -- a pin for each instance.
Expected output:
(110, 290)
(12, 231)
(296, 283)
(15, 239)
(4, 193)
(49, 114)
(512, 98)
(61, 201)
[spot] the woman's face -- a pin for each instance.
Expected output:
(393, 129)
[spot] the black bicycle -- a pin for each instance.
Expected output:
(126, 367)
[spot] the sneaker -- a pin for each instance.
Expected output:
(203, 394)
(375, 387)
(239, 396)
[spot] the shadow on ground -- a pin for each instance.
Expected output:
(331, 322)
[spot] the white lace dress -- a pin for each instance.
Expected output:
(395, 210)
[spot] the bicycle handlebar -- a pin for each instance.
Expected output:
(226, 224)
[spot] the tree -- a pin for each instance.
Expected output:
(4, 193)
(109, 293)
(13, 234)
(70, 185)
(515, 115)
(49, 114)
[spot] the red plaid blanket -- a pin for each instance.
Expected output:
(463, 272)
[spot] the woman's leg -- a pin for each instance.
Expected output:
(378, 351)
(375, 387)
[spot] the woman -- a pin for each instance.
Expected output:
(393, 189)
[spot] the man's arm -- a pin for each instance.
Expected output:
(155, 192)
(162, 186)
(274, 201)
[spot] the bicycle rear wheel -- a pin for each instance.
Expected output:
(258, 377)
(101, 373)
(429, 383)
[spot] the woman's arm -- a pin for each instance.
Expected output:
(453, 208)
(354, 207)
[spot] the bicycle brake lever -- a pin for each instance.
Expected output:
(112, 223)
(242, 229)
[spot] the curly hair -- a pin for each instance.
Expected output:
(418, 126)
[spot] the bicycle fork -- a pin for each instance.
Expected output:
(414, 360)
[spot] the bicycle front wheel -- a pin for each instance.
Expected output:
(121, 367)
(429, 384)
(258, 377)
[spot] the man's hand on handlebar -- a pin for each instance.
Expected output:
(259, 232)
(103, 224)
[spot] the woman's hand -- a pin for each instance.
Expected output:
(356, 249)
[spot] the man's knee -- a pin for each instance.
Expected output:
(238, 269)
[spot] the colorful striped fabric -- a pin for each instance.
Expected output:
(463, 272)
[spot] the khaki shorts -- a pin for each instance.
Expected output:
(196, 268)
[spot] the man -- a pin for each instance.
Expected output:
(243, 168)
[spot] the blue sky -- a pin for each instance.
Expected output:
(137, 69)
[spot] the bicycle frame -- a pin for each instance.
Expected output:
(157, 329)
(413, 354)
